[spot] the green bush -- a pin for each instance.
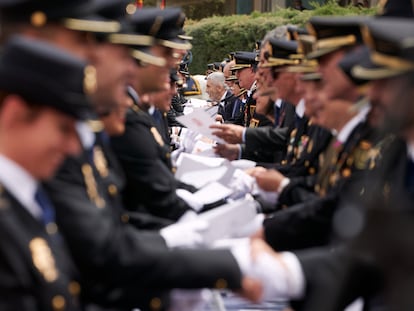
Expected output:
(216, 37)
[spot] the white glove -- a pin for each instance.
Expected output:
(186, 234)
(241, 184)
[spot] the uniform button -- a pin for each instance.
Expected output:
(307, 163)
(312, 171)
(51, 228)
(58, 303)
(125, 218)
(346, 173)
(74, 288)
(173, 170)
(221, 283)
(168, 155)
(112, 189)
(155, 303)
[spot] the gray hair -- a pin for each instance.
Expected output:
(217, 78)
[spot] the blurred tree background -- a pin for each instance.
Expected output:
(218, 35)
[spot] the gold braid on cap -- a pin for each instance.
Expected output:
(335, 42)
(391, 61)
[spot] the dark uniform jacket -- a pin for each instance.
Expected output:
(376, 264)
(120, 265)
(251, 117)
(308, 222)
(267, 143)
(145, 157)
(36, 269)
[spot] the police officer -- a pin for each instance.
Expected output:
(39, 108)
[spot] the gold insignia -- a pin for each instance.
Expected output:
(361, 156)
(91, 187)
(252, 109)
(155, 304)
(346, 172)
(365, 145)
(221, 283)
(254, 123)
(333, 179)
(312, 171)
(90, 83)
(58, 303)
(156, 26)
(100, 161)
(96, 126)
(43, 259)
(38, 19)
(112, 190)
(310, 146)
(131, 8)
(74, 288)
(157, 136)
(293, 134)
(125, 218)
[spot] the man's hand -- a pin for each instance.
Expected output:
(252, 289)
(230, 133)
(227, 151)
(269, 180)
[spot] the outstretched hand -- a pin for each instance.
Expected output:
(230, 133)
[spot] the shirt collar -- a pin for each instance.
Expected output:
(410, 150)
(20, 184)
(344, 133)
(278, 103)
(300, 108)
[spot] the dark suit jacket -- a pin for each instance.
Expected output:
(226, 106)
(34, 267)
(115, 259)
(145, 157)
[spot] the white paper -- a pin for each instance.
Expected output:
(199, 120)
(200, 178)
(225, 221)
(212, 192)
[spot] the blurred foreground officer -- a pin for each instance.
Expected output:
(39, 108)
(377, 264)
(115, 260)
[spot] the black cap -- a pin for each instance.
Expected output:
(281, 53)
(165, 25)
(73, 14)
(334, 33)
(397, 8)
(358, 55)
(391, 43)
(46, 75)
(244, 60)
(294, 31)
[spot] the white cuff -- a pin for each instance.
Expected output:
(296, 275)
(283, 184)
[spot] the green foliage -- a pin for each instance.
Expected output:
(216, 37)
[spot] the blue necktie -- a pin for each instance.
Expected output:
(48, 213)
(157, 117)
(277, 115)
